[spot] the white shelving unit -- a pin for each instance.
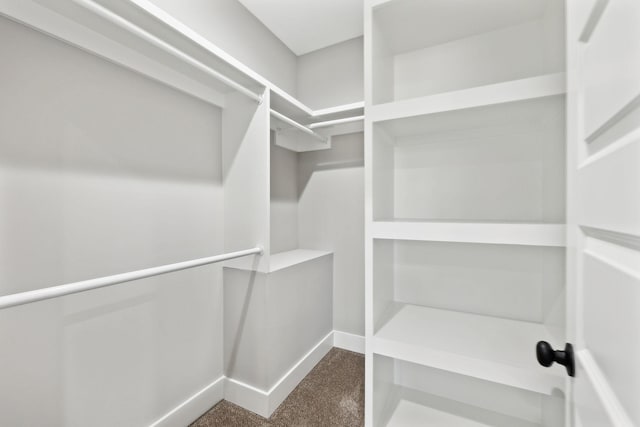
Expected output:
(465, 218)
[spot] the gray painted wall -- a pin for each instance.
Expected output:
(229, 25)
(103, 171)
(331, 217)
(284, 199)
(331, 182)
(333, 75)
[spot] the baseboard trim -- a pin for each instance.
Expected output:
(263, 402)
(348, 341)
(189, 410)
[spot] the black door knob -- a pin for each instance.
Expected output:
(547, 355)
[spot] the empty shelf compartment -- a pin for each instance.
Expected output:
(462, 44)
(408, 394)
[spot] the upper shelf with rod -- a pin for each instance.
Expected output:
(308, 140)
(141, 36)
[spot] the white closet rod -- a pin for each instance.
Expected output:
(86, 285)
(335, 122)
(123, 23)
(297, 125)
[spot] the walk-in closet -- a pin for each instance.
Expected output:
(374, 213)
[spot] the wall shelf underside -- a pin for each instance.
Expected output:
(468, 232)
(465, 126)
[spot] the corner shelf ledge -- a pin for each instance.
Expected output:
(282, 260)
(279, 261)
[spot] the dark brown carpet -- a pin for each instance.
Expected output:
(331, 395)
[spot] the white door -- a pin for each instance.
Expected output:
(604, 211)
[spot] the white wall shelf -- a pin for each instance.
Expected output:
(287, 259)
(423, 409)
(294, 109)
(466, 208)
(485, 232)
(490, 348)
(280, 261)
(480, 96)
(295, 136)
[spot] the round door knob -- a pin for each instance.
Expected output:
(546, 356)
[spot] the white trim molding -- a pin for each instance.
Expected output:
(261, 402)
(192, 408)
(347, 341)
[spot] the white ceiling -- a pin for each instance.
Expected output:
(308, 25)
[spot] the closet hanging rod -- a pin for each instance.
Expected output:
(101, 282)
(335, 122)
(297, 125)
(129, 26)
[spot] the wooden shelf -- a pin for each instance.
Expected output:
(509, 233)
(511, 91)
(489, 348)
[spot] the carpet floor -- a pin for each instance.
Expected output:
(332, 394)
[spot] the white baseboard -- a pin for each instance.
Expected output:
(189, 410)
(247, 396)
(251, 398)
(348, 341)
(263, 402)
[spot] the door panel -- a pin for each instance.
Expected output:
(611, 51)
(613, 336)
(603, 131)
(590, 411)
(610, 189)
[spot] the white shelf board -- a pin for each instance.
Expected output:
(489, 348)
(279, 261)
(511, 91)
(510, 233)
(409, 413)
(423, 409)
(284, 103)
(288, 259)
(295, 140)
(488, 121)
(339, 111)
